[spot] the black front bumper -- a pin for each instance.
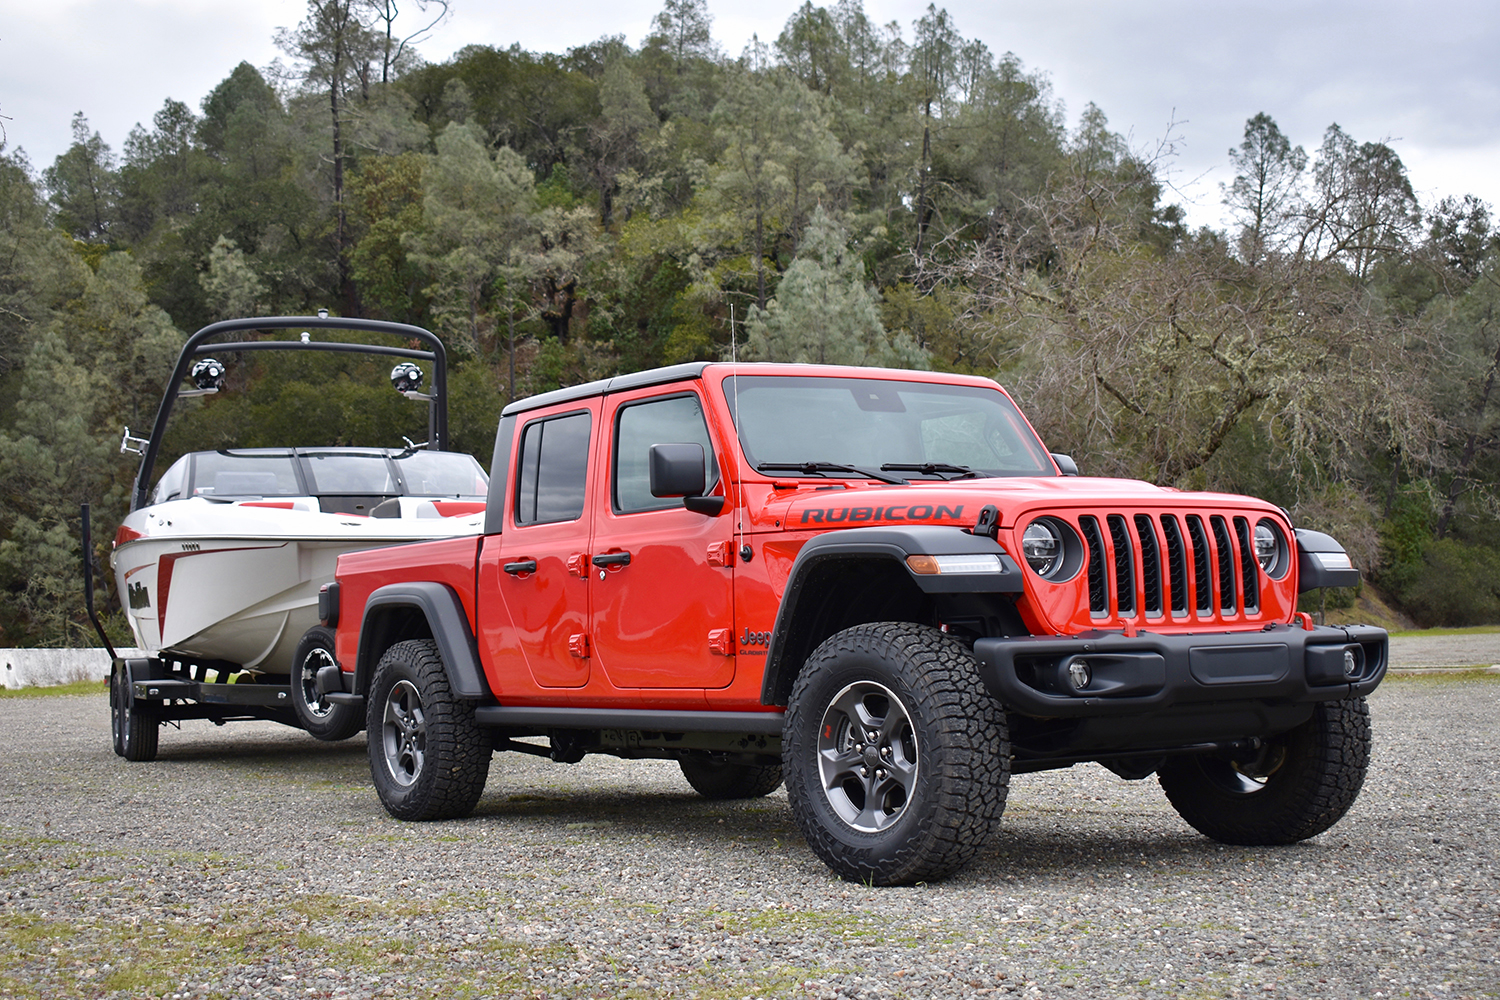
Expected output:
(1152, 673)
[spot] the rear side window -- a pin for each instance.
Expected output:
(673, 420)
(553, 469)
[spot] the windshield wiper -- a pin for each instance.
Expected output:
(819, 468)
(935, 469)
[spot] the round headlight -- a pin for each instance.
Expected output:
(1043, 547)
(1270, 549)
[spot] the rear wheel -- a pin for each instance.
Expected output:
(134, 727)
(428, 757)
(1295, 786)
(714, 778)
(315, 713)
(896, 757)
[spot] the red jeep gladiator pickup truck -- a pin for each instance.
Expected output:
(874, 584)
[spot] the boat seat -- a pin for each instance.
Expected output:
(387, 508)
(246, 484)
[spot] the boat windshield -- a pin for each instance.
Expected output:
(846, 427)
(351, 474)
(442, 474)
(221, 474)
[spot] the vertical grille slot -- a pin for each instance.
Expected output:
(1176, 565)
(1124, 564)
(1225, 551)
(1150, 564)
(1202, 579)
(1250, 584)
(1088, 525)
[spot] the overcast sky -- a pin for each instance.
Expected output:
(1423, 76)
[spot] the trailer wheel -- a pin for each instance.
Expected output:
(135, 727)
(315, 713)
(428, 757)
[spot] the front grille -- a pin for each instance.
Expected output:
(1098, 582)
(1124, 565)
(1179, 566)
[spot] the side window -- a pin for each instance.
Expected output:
(553, 468)
(638, 426)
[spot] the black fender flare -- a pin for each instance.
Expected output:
(791, 642)
(441, 606)
(1322, 562)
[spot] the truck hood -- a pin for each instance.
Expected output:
(959, 502)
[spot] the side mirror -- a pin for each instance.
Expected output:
(679, 470)
(1066, 464)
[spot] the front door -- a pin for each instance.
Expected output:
(663, 596)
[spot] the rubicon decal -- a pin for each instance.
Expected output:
(898, 512)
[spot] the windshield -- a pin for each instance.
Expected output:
(225, 474)
(878, 423)
(351, 474)
(443, 474)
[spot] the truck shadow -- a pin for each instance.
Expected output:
(1142, 847)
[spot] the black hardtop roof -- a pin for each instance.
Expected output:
(604, 386)
(695, 369)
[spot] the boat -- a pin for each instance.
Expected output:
(220, 560)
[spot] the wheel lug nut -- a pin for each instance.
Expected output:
(864, 772)
(881, 773)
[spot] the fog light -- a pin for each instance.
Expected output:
(1351, 663)
(1080, 674)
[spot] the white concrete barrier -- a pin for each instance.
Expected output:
(46, 667)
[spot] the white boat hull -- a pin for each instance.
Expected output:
(239, 582)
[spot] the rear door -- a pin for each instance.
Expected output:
(535, 574)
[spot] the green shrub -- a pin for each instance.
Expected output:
(1453, 584)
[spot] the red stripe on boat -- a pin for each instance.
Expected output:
(458, 508)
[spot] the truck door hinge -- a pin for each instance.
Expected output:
(721, 641)
(721, 554)
(578, 564)
(578, 645)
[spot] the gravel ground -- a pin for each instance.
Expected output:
(252, 861)
(1464, 649)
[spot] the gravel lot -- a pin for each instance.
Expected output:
(253, 861)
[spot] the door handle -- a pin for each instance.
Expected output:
(524, 566)
(612, 559)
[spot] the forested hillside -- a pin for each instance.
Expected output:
(848, 193)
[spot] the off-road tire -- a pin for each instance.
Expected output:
(319, 716)
(1300, 785)
(941, 746)
(135, 729)
(714, 778)
(428, 757)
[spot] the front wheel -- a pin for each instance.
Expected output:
(315, 713)
(1295, 786)
(896, 757)
(428, 757)
(135, 729)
